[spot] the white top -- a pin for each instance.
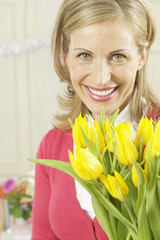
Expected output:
(83, 196)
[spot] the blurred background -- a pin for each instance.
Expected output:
(28, 83)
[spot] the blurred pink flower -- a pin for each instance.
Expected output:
(24, 205)
(8, 185)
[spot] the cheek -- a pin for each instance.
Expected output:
(77, 73)
(128, 76)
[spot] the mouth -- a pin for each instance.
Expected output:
(101, 94)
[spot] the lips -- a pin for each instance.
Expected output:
(101, 95)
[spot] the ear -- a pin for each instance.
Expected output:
(143, 57)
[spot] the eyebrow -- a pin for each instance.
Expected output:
(83, 49)
(121, 50)
(115, 51)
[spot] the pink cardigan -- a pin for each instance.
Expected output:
(57, 213)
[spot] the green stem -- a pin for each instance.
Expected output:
(129, 236)
(113, 225)
(131, 217)
(123, 169)
(114, 163)
(127, 176)
(141, 163)
(140, 152)
(103, 164)
(110, 158)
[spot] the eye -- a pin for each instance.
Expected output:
(118, 57)
(84, 56)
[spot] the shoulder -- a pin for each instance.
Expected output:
(153, 114)
(55, 136)
(54, 143)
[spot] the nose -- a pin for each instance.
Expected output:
(102, 72)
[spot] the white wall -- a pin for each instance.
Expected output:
(28, 83)
(154, 59)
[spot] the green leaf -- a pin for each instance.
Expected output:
(64, 167)
(114, 116)
(116, 213)
(114, 221)
(133, 194)
(106, 160)
(102, 122)
(10, 197)
(89, 143)
(143, 226)
(158, 192)
(67, 168)
(26, 214)
(17, 212)
(122, 231)
(114, 160)
(20, 195)
(103, 218)
(152, 203)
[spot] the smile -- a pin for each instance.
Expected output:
(101, 93)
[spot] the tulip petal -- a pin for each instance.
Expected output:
(156, 138)
(123, 186)
(126, 150)
(86, 165)
(77, 132)
(144, 131)
(115, 185)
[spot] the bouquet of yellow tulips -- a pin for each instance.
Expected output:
(121, 174)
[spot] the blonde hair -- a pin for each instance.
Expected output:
(75, 14)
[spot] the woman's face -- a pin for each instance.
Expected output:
(103, 61)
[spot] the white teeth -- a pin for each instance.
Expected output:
(101, 93)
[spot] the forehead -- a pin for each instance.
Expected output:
(113, 33)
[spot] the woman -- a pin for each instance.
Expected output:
(100, 50)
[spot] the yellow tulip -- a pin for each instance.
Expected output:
(145, 129)
(146, 152)
(115, 185)
(126, 150)
(77, 133)
(86, 165)
(91, 136)
(156, 141)
(153, 145)
(135, 177)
